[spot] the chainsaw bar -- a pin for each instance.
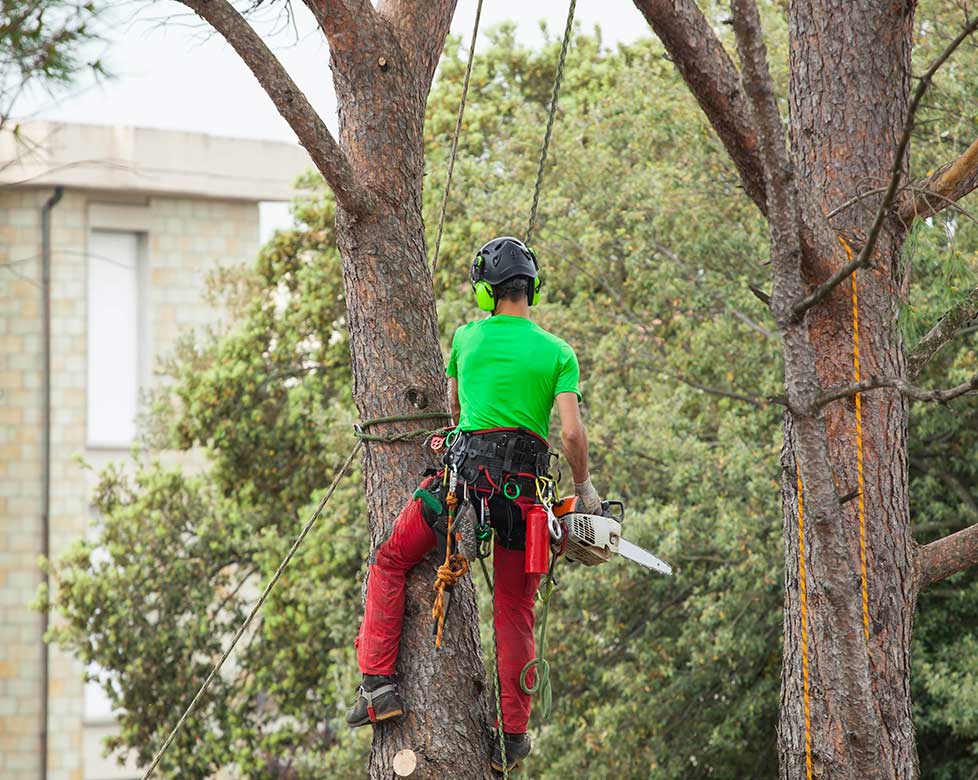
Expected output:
(635, 553)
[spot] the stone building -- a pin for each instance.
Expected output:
(127, 222)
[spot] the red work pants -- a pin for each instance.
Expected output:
(513, 601)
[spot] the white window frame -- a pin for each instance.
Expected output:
(142, 361)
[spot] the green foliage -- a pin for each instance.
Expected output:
(41, 45)
(647, 247)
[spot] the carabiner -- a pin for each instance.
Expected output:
(554, 525)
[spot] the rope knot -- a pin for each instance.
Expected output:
(447, 576)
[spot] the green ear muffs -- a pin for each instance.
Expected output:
(535, 295)
(484, 296)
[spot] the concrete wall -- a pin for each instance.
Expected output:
(20, 475)
(138, 159)
(183, 239)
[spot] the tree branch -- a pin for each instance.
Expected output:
(896, 173)
(758, 403)
(782, 194)
(946, 328)
(897, 383)
(712, 78)
(948, 184)
(950, 555)
(289, 100)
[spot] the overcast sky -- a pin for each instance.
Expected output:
(169, 73)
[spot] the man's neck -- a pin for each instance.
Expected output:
(513, 308)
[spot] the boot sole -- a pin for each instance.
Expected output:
(499, 767)
(380, 719)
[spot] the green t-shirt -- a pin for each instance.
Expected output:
(509, 371)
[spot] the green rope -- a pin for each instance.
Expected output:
(251, 616)
(458, 132)
(541, 684)
(497, 684)
(358, 429)
(569, 27)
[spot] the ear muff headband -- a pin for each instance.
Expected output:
(485, 298)
(534, 296)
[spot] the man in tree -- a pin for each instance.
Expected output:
(504, 375)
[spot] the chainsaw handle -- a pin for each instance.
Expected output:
(618, 515)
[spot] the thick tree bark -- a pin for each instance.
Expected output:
(383, 61)
(398, 368)
(850, 67)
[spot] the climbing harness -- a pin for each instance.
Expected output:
(864, 580)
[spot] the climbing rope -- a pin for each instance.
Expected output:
(251, 615)
(856, 375)
(568, 28)
(455, 566)
(458, 132)
(359, 428)
(804, 627)
(541, 684)
(859, 446)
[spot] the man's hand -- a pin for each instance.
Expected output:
(589, 496)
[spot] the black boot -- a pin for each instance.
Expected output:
(378, 700)
(517, 748)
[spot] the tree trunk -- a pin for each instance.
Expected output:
(850, 69)
(398, 369)
(383, 58)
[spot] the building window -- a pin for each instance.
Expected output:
(113, 336)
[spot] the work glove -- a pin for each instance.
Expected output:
(589, 496)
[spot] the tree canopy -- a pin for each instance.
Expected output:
(648, 247)
(43, 45)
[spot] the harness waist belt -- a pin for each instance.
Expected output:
(504, 452)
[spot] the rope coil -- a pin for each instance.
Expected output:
(359, 428)
(541, 683)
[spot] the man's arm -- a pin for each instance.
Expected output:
(453, 403)
(574, 437)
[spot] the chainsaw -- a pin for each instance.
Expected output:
(592, 539)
